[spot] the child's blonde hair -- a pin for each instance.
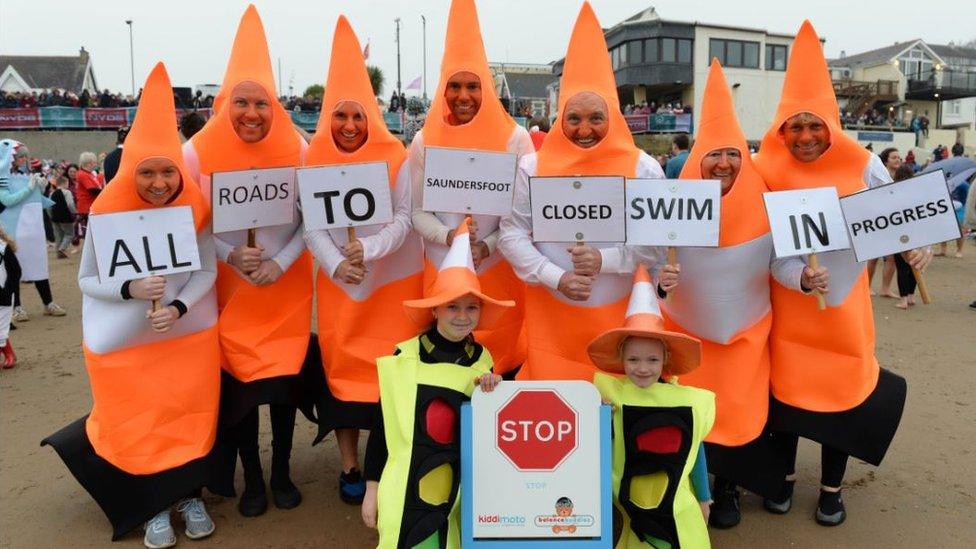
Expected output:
(623, 343)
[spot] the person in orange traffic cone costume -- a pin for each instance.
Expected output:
(724, 300)
(825, 381)
(264, 289)
(362, 281)
(467, 114)
(571, 297)
(155, 376)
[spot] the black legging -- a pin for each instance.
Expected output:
(245, 437)
(833, 462)
(906, 278)
(43, 288)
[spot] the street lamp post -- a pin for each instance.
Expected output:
(132, 60)
(397, 21)
(423, 20)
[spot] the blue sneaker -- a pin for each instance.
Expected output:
(352, 487)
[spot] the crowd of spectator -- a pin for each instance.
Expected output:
(60, 98)
(874, 117)
(653, 108)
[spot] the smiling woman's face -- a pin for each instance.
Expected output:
(722, 164)
(349, 127)
(250, 112)
(585, 121)
(157, 180)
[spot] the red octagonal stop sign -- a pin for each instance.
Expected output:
(536, 430)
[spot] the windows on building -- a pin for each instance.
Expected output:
(635, 55)
(735, 53)
(915, 64)
(655, 50)
(775, 57)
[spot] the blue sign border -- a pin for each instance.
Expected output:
(606, 495)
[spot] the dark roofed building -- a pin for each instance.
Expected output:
(525, 87)
(26, 73)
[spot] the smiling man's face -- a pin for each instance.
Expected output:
(806, 136)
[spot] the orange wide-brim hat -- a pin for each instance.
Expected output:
(455, 279)
(644, 320)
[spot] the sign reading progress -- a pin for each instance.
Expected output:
(536, 461)
(345, 195)
(143, 243)
(672, 212)
(578, 209)
(900, 216)
(806, 221)
(251, 199)
(468, 181)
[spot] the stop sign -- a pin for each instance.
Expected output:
(536, 430)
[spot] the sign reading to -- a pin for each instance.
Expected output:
(143, 243)
(806, 221)
(346, 195)
(468, 181)
(672, 212)
(536, 462)
(577, 209)
(250, 199)
(900, 216)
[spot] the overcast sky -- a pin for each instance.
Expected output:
(193, 38)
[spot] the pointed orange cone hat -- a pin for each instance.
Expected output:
(456, 278)
(719, 129)
(249, 58)
(154, 134)
(464, 51)
(348, 80)
(587, 68)
(643, 319)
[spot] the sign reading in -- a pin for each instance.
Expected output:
(577, 209)
(346, 195)
(250, 199)
(468, 182)
(900, 216)
(142, 243)
(806, 221)
(672, 212)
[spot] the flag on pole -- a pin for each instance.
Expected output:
(366, 52)
(415, 85)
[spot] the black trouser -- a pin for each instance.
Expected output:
(906, 278)
(833, 462)
(245, 437)
(43, 288)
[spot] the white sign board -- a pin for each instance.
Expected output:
(345, 195)
(536, 460)
(468, 181)
(900, 216)
(250, 199)
(578, 209)
(806, 221)
(673, 212)
(142, 243)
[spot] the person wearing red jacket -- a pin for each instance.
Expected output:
(87, 188)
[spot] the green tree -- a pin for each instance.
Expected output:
(376, 78)
(315, 90)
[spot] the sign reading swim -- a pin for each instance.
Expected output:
(671, 212)
(468, 181)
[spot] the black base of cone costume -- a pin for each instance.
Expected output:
(127, 500)
(757, 466)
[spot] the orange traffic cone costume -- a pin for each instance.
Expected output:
(558, 328)
(156, 395)
(658, 429)
(359, 323)
(491, 129)
(823, 362)
(264, 330)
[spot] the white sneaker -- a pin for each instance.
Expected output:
(20, 314)
(159, 532)
(53, 309)
(198, 523)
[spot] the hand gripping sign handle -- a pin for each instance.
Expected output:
(672, 260)
(814, 263)
(923, 290)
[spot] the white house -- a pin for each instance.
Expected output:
(35, 73)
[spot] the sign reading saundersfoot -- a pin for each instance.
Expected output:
(806, 221)
(468, 181)
(346, 195)
(672, 212)
(250, 199)
(900, 216)
(536, 461)
(142, 243)
(578, 209)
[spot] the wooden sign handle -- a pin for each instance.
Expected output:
(815, 264)
(922, 288)
(251, 238)
(351, 233)
(156, 305)
(672, 260)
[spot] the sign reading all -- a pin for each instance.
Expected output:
(673, 212)
(578, 209)
(250, 199)
(900, 216)
(806, 221)
(345, 195)
(142, 243)
(468, 181)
